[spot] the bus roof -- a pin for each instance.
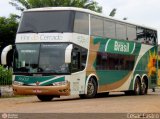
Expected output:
(86, 11)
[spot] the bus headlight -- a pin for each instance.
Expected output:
(18, 83)
(60, 83)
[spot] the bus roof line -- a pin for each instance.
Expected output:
(86, 11)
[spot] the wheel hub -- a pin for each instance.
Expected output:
(90, 88)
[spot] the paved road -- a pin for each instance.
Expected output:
(114, 103)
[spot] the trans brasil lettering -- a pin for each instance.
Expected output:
(121, 46)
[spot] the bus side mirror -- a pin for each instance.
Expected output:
(4, 54)
(68, 53)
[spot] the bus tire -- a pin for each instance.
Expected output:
(104, 94)
(137, 87)
(91, 89)
(144, 88)
(45, 97)
(129, 92)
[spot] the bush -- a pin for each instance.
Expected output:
(5, 76)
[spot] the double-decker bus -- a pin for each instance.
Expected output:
(64, 51)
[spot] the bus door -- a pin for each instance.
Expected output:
(77, 72)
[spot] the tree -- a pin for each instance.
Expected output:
(113, 12)
(8, 29)
(125, 18)
(27, 4)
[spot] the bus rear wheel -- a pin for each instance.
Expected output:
(45, 97)
(144, 87)
(91, 89)
(137, 87)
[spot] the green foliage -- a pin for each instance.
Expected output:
(8, 29)
(5, 76)
(27, 4)
(113, 12)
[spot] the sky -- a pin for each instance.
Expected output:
(143, 12)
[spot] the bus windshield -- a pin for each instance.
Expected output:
(40, 58)
(46, 21)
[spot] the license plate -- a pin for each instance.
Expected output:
(37, 91)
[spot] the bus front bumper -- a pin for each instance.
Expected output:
(63, 90)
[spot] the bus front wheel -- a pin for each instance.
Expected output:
(91, 89)
(45, 97)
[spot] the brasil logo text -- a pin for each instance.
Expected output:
(118, 46)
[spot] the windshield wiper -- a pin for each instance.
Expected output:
(48, 31)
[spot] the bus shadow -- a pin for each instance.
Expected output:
(99, 96)
(104, 95)
(78, 98)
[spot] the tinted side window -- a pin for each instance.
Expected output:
(109, 61)
(101, 62)
(121, 31)
(109, 29)
(81, 23)
(131, 33)
(96, 26)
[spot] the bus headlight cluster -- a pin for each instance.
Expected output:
(60, 83)
(18, 83)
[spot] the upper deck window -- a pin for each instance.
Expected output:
(141, 34)
(81, 23)
(151, 36)
(109, 29)
(96, 26)
(46, 21)
(131, 33)
(121, 31)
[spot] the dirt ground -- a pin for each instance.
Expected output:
(114, 103)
